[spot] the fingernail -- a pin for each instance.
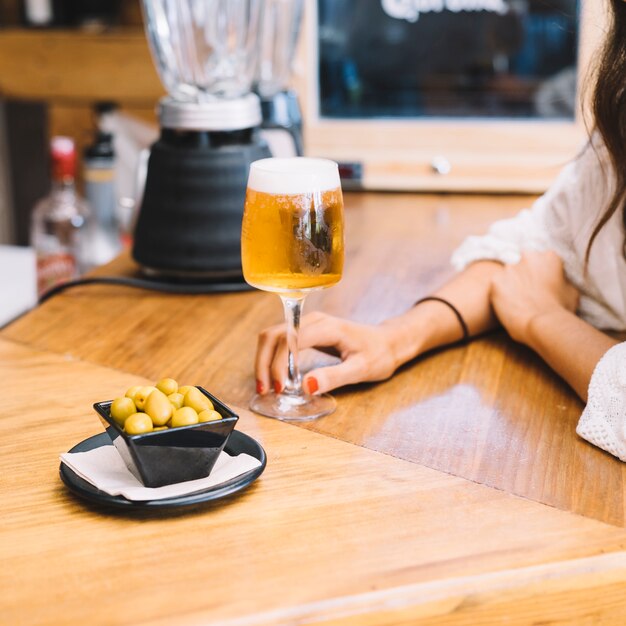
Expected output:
(259, 386)
(312, 385)
(277, 386)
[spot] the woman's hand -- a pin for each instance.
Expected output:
(366, 353)
(533, 287)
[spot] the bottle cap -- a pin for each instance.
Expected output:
(101, 148)
(63, 154)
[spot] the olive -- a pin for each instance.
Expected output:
(138, 423)
(130, 393)
(195, 399)
(158, 407)
(141, 396)
(167, 385)
(121, 408)
(147, 408)
(209, 415)
(184, 417)
(176, 400)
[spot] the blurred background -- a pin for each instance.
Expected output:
(65, 63)
(62, 65)
(404, 59)
(419, 95)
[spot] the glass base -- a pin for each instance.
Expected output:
(293, 408)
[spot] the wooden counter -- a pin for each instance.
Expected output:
(455, 493)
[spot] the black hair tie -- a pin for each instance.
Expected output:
(451, 306)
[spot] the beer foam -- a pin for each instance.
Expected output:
(294, 175)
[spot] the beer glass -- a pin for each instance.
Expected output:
(292, 244)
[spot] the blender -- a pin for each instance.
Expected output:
(282, 118)
(189, 222)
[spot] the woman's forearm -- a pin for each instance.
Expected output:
(569, 345)
(432, 324)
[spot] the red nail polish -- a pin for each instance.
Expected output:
(259, 386)
(312, 385)
(277, 386)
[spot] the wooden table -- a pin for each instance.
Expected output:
(455, 493)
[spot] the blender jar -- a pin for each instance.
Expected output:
(204, 49)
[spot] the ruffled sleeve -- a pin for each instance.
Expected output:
(603, 422)
(555, 221)
(562, 220)
(505, 239)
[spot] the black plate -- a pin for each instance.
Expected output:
(237, 443)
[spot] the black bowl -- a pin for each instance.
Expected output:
(174, 455)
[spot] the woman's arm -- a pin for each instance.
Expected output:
(373, 353)
(432, 324)
(536, 305)
(569, 345)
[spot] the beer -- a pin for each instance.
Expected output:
(292, 241)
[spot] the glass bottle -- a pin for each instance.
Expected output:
(101, 195)
(59, 222)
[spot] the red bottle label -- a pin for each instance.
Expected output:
(54, 269)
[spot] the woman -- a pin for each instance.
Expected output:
(552, 277)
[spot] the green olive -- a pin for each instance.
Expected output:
(130, 393)
(138, 423)
(176, 400)
(184, 417)
(167, 385)
(185, 388)
(121, 408)
(209, 415)
(158, 407)
(195, 399)
(141, 397)
(147, 408)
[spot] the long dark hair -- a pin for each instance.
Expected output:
(609, 110)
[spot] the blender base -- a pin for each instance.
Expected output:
(189, 224)
(227, 276)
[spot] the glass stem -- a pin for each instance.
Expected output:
(293, 310)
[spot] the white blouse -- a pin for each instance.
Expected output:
(563, 220)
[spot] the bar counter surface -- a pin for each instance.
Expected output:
(456, 492)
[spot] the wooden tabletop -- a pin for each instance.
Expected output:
(457, 492)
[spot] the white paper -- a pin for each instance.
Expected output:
(104, 468)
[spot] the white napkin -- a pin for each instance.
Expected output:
(104, 468)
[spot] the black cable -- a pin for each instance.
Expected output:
(154, 285)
